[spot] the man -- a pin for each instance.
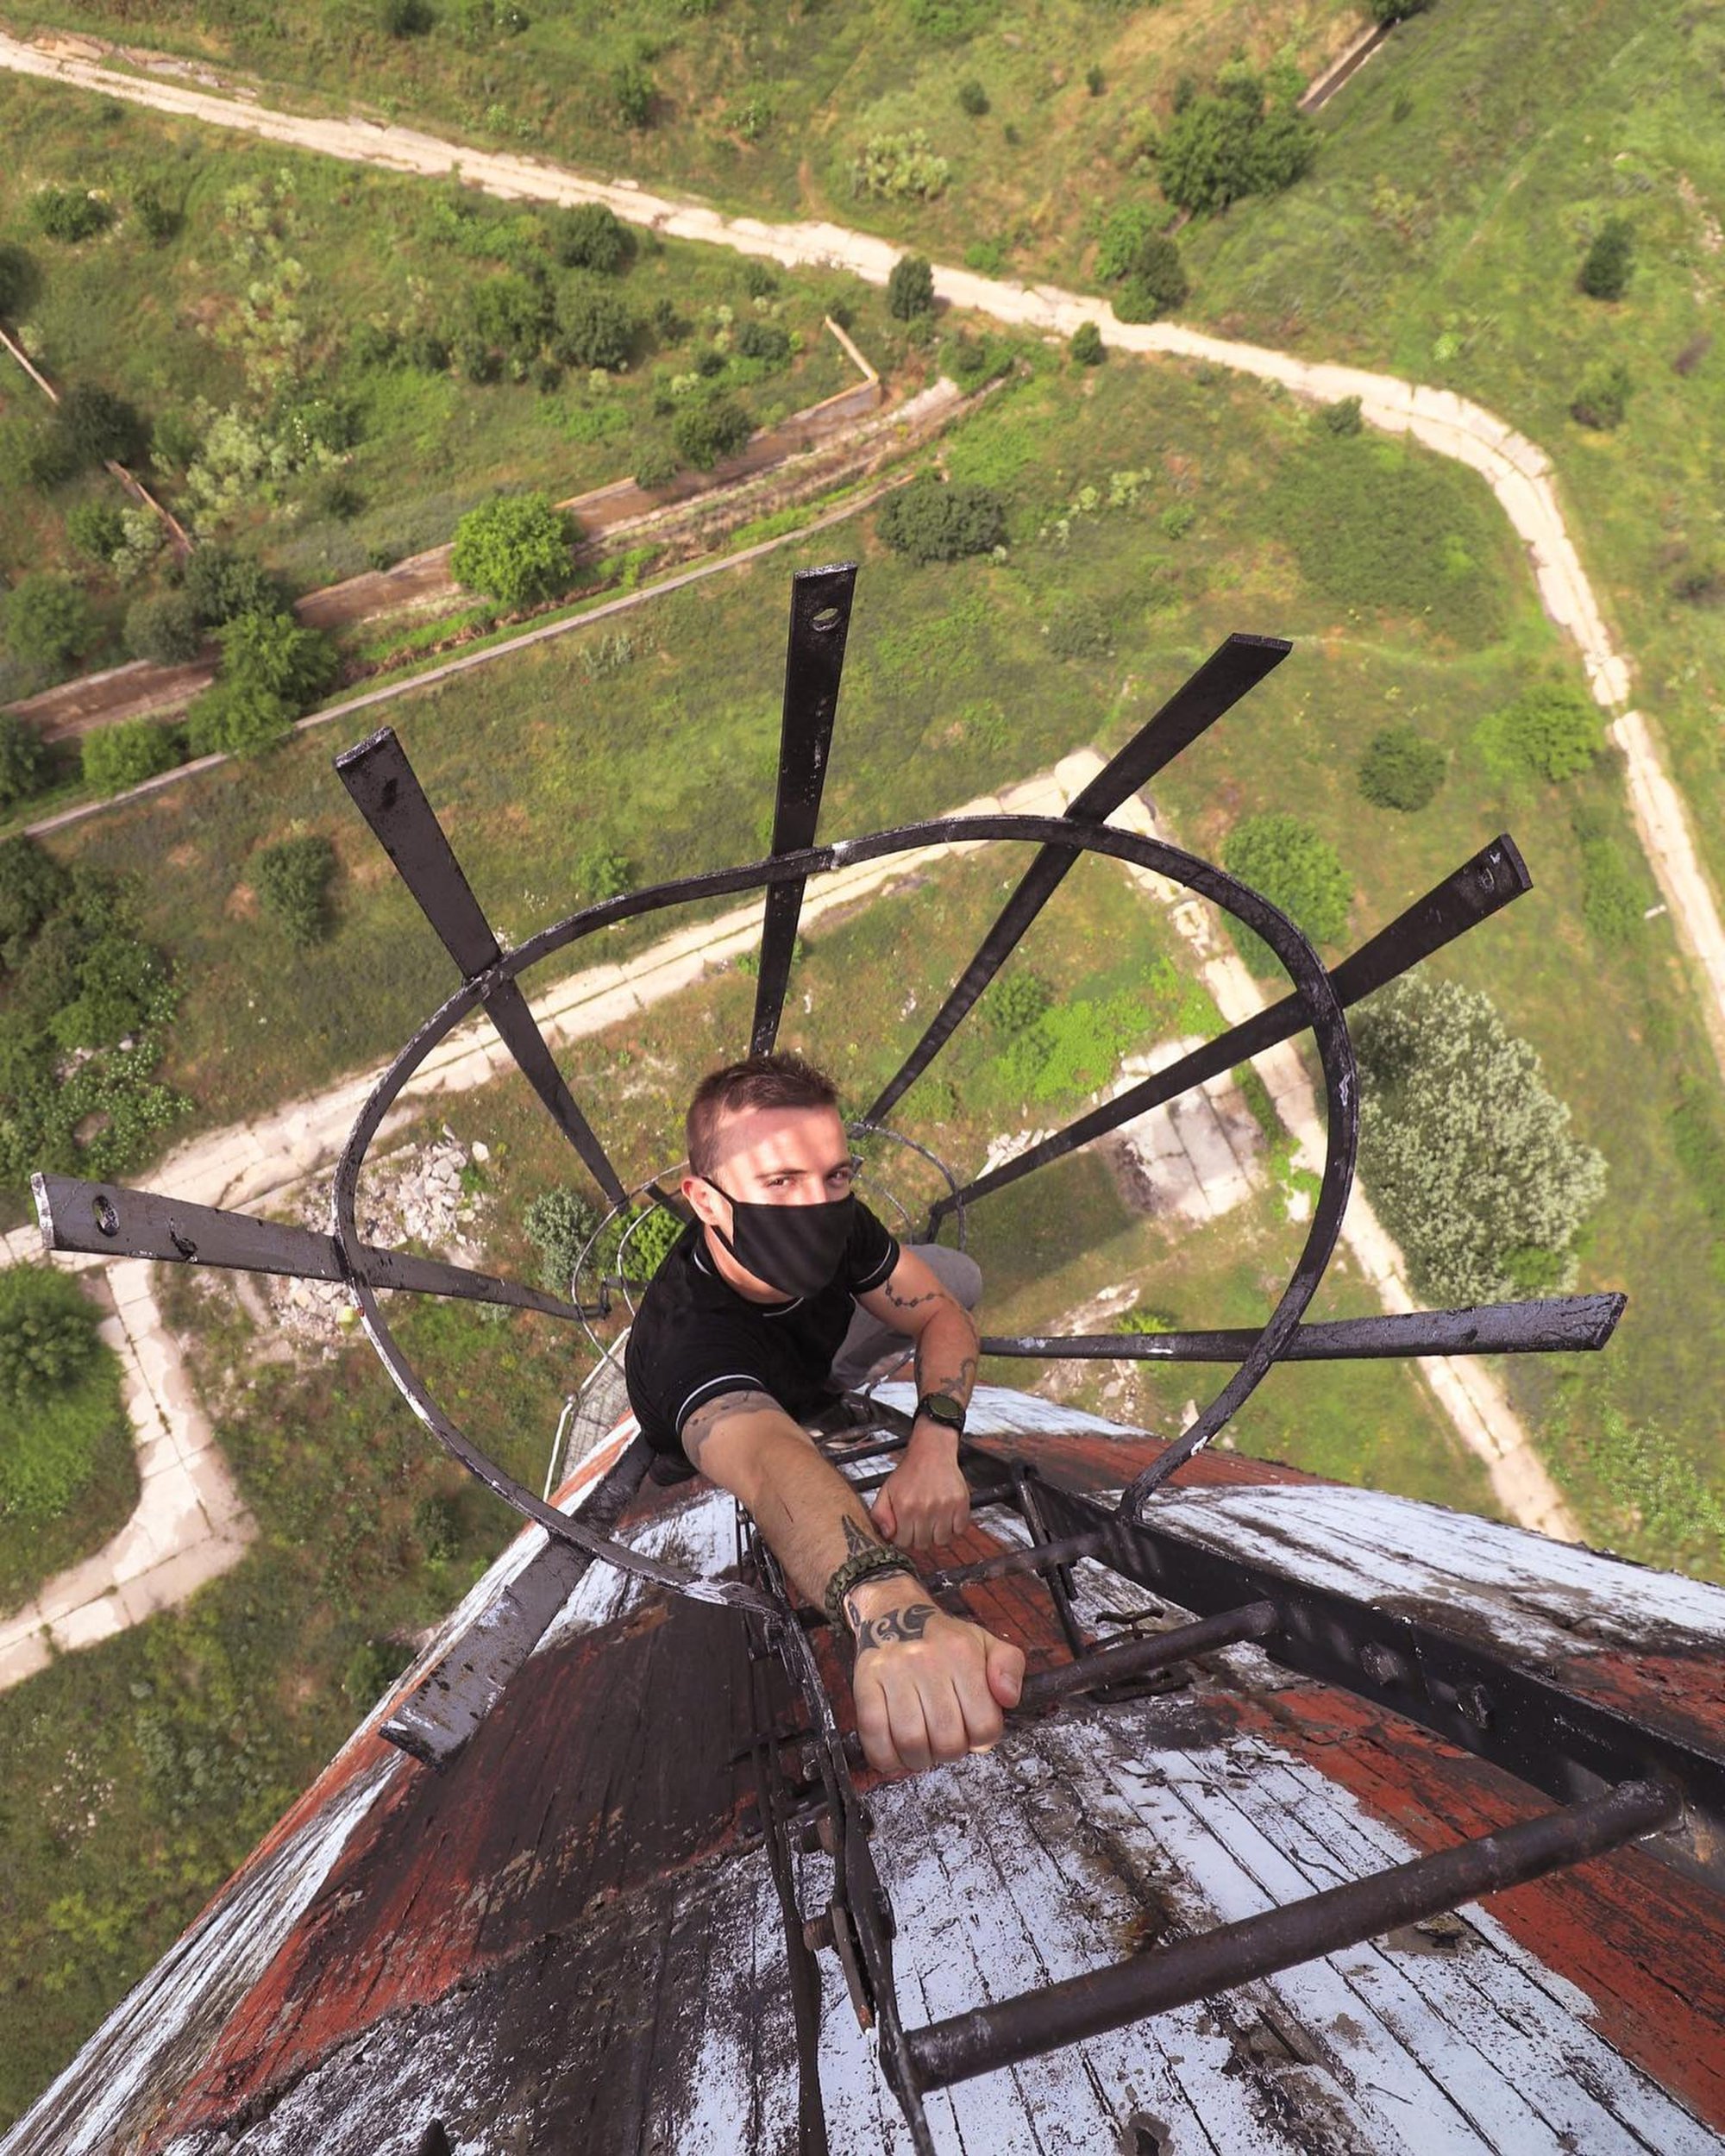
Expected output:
(736, 1338)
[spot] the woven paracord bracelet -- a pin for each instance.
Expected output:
(863, 1566)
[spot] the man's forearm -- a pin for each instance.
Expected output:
(947, 1350)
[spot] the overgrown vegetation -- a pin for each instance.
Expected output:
(1401, 770)
(1286, 861)
(62, 1395)
(293, 879)
(515, 549)
(929, 522)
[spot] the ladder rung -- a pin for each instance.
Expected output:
(1256, 1620)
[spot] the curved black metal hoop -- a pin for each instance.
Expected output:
(1311, 984)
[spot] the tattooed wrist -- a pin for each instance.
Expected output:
(909, 1622)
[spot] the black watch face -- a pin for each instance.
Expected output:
(939, 1408)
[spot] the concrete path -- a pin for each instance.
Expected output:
(1517, 470)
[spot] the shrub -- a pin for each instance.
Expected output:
(426, 352)
(973, 99)
(1342, 418)
(45, 457)
(406, 18)
(1078, 628)
(156, 221)
(708, 428)
(760, 280)
(1400, 769)
(514, 548)
(1156, 283)
(1015, 1001)
(591, 236)
(948, 22)
(1146, 1322)
(655, 466)
(292, 880)
(764, 341)
(269, 651)
(374, 1665)
(48, 623)
(476, 359)
(1177, 519)
(1290, 865)
(94, 528)
(602, 873)
(221, 584)
(649, 1243)
(24, 760)
(164, 629)
(1467, 1154)
(437, 1526)
(899, 167)
(594, 328)
(33, 886)
(1087, 347)
(1094, 80)
(1605, 267)
(1071, 1050)
(1388, 11)
(99, 426)
(559, 1223)
(1614, 897)
(632, 90)
(18, 279)
(1130, 226)
(928, 522)
(70, 213)
(1603, 396)
(910, 288)
(1219, 149)
(1552, 732)
(227, 720)
(510, 313)
(115, 757)
(64, 1391)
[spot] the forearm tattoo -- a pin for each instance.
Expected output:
(891, 1626)
(957, 1384)
(711, 1413)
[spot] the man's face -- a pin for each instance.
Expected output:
(775, 1157)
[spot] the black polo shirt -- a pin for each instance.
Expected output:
(694, 1337)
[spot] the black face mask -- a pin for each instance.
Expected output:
(796, 1249)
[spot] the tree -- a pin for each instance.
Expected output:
(220, 584)
(292, 880)
(70, 213)
(48, 623)
(1467, 1154)
(100, 427)
(1606, 266)
(910, 288)
(48, 1335)
(1222, 147)
(95, 529)
(708, 428)
(514, 548)
(24, 760)
(928, 522)
(1400, 769)
(764, 341)
(164, 629)
(1157, 282)
(270, 653)
(591, 236)
(33, 886)
(560, 1224)
(1087, 347)
(1297, 871)
(232, 720)
(116, 757)
(595, 327)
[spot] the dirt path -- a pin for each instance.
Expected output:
(1517, 470)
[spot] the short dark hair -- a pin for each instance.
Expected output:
(758, 1082)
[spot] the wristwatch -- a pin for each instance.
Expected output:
(943, 1408)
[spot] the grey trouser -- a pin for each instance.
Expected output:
(871, 1341)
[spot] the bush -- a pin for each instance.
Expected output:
(70, 213)
(655, 466)
(426, 352)
(1400, 769)
(24, 760)
(374, 1665)
(928, 522)
(602, 872)
(437, 1526)
(48, 623)
(591, 236)
(269, 651)
(649, 1243)
(18, 279)
(901, 167)
(95, 529)
(1221, 148)
(99, 426)
(33, 886)
(632, 90)
(1467, 1155)
(764, 341)
(1606, 266)
(1146, 1322)
(1157, 282)
(115, 757)
(594, 328)
(910, 288)
(510, 313)
(1552, 732)
(973, 99)
(1087, 347)
(558, 1223)
(1614, 895)
(230, 721)
(64, 1393)
(760, 280)
(708, 428)
(292, 880)
(156, 221)
(1015, 1001)
(1603, 396)
(1387, 11)
(221, 584)
(514, 548)
(1342, 418)
(406, 18)
(164, 629)
(1290, 865)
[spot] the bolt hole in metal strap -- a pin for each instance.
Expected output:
(1311, 983)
